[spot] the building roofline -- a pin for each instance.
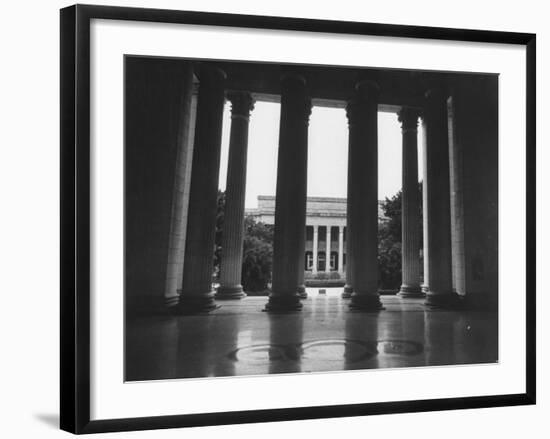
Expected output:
(333, 199)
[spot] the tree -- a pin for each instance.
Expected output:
(257, 255)
(220, 214)
(257, 250)
(389, 241)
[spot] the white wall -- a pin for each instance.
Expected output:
(29, 221)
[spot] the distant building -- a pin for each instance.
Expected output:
(325, 222)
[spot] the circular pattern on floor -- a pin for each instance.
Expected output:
(324, 350)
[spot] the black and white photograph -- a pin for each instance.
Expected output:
(288, 216)
(295, 218)
(275, 219)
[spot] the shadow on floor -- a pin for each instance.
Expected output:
(49, 419)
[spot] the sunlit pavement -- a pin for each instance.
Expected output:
(240, 339)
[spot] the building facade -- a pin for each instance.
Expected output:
(325, 247)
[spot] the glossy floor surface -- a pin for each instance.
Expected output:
(240, 339)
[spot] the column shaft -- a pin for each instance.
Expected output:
(176, 246)
(437, 183)
(348, 287)
(197, 294)
(425, 251)
(410, 207)
(301, 266)
(233, 225)
(290, 204)
(327, 252)
(362, 113)
(315, 247)
(341, 249)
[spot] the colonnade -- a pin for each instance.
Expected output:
(328, 248)
(290, 208)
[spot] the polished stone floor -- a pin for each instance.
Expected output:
(240, 339)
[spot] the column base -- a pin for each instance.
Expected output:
(194, 304)
(408, 291)
(302, 292)
(444, 301)
(365, 302)
(424, 288)
(486, 302)
(283, 303)
(170, 302)
(348, 291)
(230, 292)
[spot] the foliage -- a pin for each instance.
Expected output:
(389, 241)
(257, 250)
(322, 275)
(220, 214)
(257, 255)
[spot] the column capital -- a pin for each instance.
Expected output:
(293, 87)
(208, 72)
(408, 118)
(242, 103)
(437, 93)
(365, 95)
(293, 78)
(367, 89)
(196, 87)
(315, 228)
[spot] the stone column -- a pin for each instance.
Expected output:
(290, 204)
(341, 249)
(348, 287)
(197, 294)
(178, 221)
(301, 266)
(315, 247)
(233, 224)
(425, 250)
(438, 219)
(327, 251)
(410, 206)
(362, 112)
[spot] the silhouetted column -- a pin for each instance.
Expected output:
(362, 112)
(301, 266)
(410, 206)
(341, 249)
(290, 203)
(315, 247)
(182, 176)
(437, 183)
(327, 252)
(425, 251)
(233, 223)
(197, 294)
(348, 287)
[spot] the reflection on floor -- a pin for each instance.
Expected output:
(240, 339)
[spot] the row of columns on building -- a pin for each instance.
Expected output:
(315, 244)
(291, 194)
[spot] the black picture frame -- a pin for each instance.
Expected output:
(75, 217)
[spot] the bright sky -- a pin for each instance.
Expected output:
(327, 152)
